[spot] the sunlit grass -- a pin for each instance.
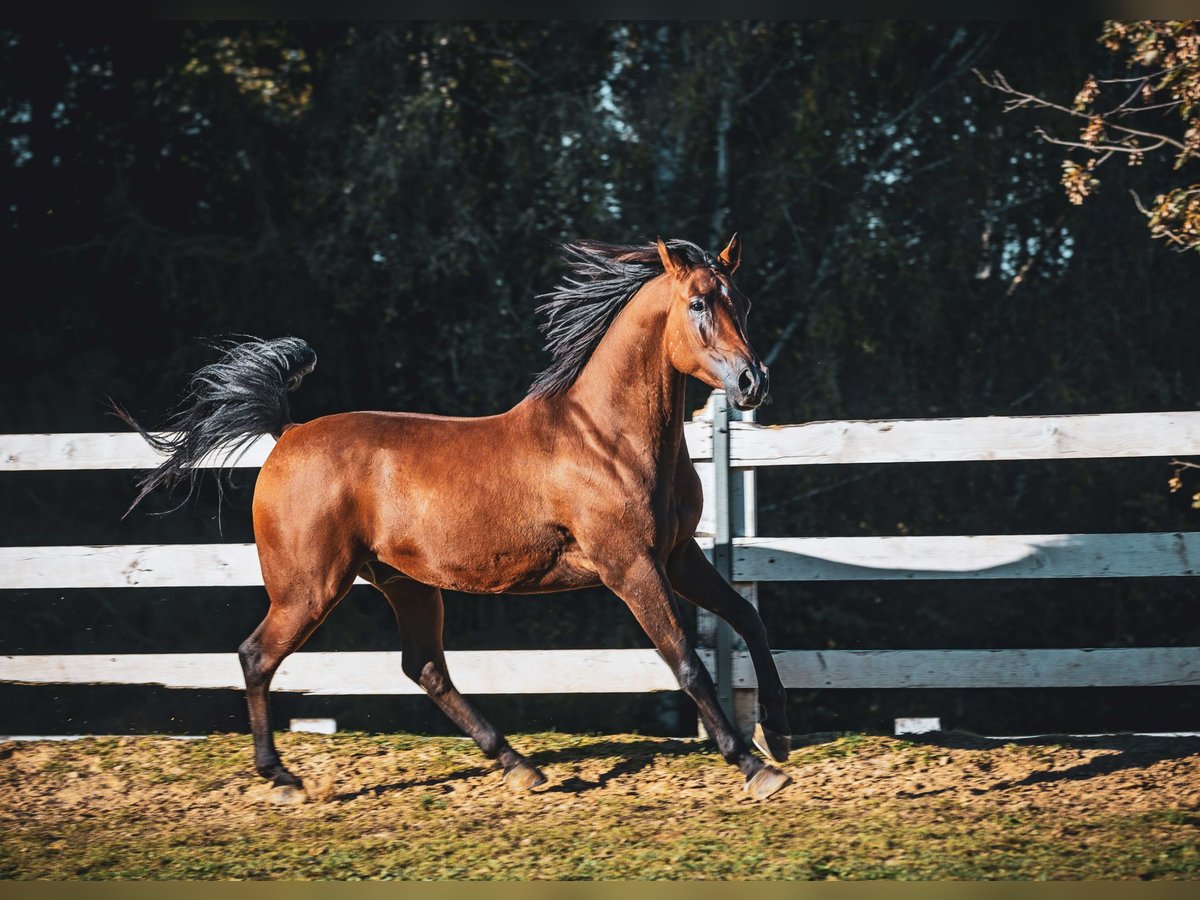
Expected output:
(616, 807)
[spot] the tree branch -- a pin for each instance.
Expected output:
(1000, 83)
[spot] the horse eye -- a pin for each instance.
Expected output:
(696, 304)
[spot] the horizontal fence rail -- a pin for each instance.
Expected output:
(991, 438)
(625, 671)
(86, 451)
(754, 559)
(373, 672)
(1102, 667)
(988, 438)
(990, 556)
(751, 559)
(108, 450)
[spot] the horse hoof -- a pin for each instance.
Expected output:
(772, 743)
(288, 795)
(765, 782)
(524, 776)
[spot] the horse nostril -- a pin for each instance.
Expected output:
(746, 381)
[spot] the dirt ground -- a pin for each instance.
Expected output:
(616, 806)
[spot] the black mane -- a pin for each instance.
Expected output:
(580, 309)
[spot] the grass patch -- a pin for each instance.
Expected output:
(408, 807)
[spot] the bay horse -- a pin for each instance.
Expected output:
(587, 481)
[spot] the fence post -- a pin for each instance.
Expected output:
(722, 557)
(743, 514)
(729, 496)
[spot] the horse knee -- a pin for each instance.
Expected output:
(250, 656)
(257, 665)
(427, 675)
(690, 672)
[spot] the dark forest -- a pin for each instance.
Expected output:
(396, 194)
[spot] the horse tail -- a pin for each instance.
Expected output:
(229, 403)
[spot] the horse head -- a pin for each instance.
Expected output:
(706, 325)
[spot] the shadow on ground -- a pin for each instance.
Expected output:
(638, 755)
(1129, 752)
(1124, 753)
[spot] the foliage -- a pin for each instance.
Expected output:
(1137, 118)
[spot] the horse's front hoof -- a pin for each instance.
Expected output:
(765, 782)
(278, 775)
(772, 743)
(524, 776)
(288, 795)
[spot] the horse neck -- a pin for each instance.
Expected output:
(629, 387)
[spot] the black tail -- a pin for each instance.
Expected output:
(229, 403)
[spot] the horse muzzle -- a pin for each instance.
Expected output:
(751, 388)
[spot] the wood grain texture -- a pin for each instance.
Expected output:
(967, 557)
(126, 450)
(630, 671)
(1114, 436)
(755, 559)
(103, 450)
(1106, 667)
(473, 671)
(134, 565)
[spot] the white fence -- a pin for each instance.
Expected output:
(727, 452)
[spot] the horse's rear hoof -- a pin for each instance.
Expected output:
(288, 795)
(524, 776)
(772, 743)
(765, 782)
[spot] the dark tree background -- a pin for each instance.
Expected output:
(394, 193)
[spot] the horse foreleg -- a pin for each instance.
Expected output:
(645, 589)
(418, 610)
(694, 578)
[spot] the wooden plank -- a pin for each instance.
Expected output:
(754, 559)
(126, 450)
(138, 565)
(737, 518)
(1113, 436)
(473, 671)
(1118, 435)
(966, 557)
(698, 437)
(631, 671)
(707, 525)
(104, 450)
(722, 549)
(1105, 667)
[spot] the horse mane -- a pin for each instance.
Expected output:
(579, 310)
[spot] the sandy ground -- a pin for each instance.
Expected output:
(616, 806)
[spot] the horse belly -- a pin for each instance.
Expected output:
(572, 571)
(488, 558)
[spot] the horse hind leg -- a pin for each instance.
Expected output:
(418, 611)
(298, 606)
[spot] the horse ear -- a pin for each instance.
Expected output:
(672, 262)
(731, 256)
